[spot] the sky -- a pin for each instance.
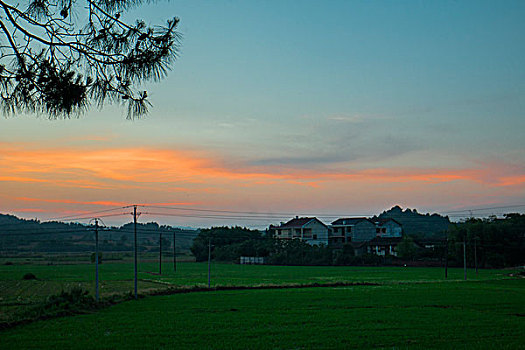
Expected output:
(296, 107)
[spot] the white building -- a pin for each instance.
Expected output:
(308, 229)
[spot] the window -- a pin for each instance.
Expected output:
(314, 237)
(348, 229)
(378, 230)
(383, 230)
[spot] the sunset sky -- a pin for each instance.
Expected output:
(297, 107)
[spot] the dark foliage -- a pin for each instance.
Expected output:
(498, 242)
(229, 243)
(416, 224)
(296, 252)
(75, 301)
(20, 235)
(57, 57)
(29, 276)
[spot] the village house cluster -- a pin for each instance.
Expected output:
(375, 236)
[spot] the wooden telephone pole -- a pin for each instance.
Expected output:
(160, 253)
(174, 252)
(135, 237)
(96, 260)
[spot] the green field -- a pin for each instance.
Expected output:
(410, 307)
(117, 278)
(487, 314)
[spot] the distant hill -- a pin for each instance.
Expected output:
(414, 223)
(21, 235)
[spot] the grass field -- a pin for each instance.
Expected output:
(410, 307)
(118, 277)
(479, 314)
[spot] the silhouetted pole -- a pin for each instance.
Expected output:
(476, 255)
(446, 259)
(209, 263)
(160, 253)
(96, 259)
(135, 231)
(174, 252)
(464, 259)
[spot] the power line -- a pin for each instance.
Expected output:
(88, 213)
(487, 208)
(211, 216)
(98, 216)
(279, 214)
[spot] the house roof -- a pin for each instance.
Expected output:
(298, 222)
(349, 221)
(382, 221)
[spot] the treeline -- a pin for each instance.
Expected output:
(494, 242)
(228, 244)
(20, 235)
(416, 224)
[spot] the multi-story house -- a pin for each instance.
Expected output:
(355, 230)
(308, 229)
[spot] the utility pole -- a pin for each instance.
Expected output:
(476, 255)
(464, 259)
(174, 252)
(135, 231)
(160, 253)
(446, 258)
(209, 263)
(96, 260)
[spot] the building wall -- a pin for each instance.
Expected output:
(319, 230)
(382, 250)
(284, 233)
(363, 231)
(392, 229)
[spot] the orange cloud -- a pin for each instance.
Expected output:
(68, 201)
(129, 167)
(29, 210)
(512, 180)
(67, 179)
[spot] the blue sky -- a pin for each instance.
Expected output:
(335, 106)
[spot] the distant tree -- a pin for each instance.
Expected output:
(345, 256)
(498, 242)
(418, 224)
(406, 249)
(57, 56)
(228, 242)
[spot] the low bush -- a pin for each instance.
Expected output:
(29, 276)
(75, 301)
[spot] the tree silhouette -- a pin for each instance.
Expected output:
(59, 56)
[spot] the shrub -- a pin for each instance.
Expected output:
(8, 263)
(75, 301)
(29, 276)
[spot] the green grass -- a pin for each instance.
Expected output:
(233, 274)
(17, 295)
(478, 314)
